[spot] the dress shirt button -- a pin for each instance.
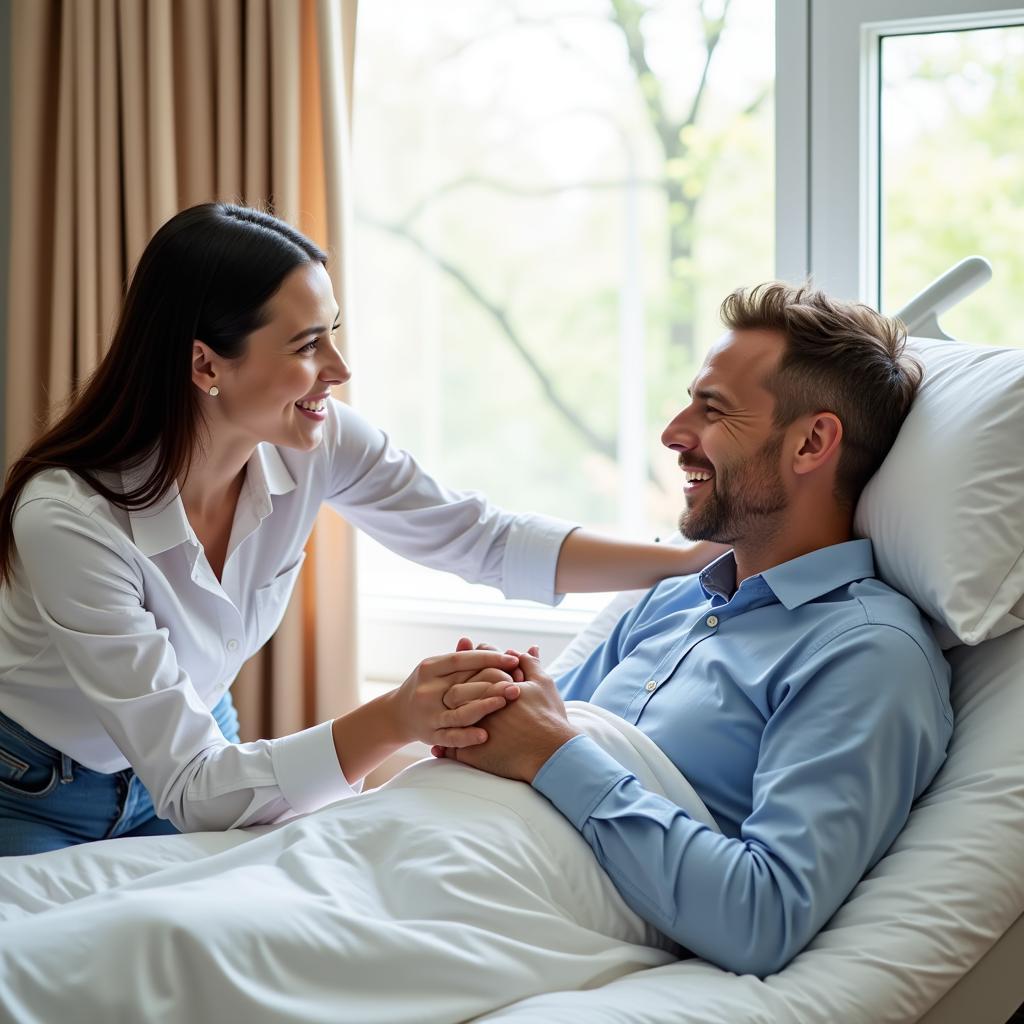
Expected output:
(712, 621)
(651, 686)
(232, 645)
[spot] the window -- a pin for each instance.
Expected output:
(904, 149)
(552, 198)
(952, 143)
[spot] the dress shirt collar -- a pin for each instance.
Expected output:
(267, 474)
(718, 578)
(164, 525)
(801, 579)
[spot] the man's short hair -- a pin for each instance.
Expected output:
(840, 357)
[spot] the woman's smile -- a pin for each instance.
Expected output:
(318, 416)
(314, 408)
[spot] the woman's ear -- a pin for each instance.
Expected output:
(204, 373)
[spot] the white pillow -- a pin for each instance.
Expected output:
(945, 511)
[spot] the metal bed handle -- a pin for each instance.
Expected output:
(921, 314)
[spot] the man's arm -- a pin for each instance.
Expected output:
(856, 734)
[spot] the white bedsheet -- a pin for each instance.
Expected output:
(444, 895)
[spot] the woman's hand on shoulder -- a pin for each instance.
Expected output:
(692, 555)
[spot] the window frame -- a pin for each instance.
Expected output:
(828, 128)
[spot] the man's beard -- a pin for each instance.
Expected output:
(740, 499)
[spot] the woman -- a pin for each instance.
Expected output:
(150, 540)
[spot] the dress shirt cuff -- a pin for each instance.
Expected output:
(577, 777)
(531, 557)
(307, 769)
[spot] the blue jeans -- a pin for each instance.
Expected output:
(48, 801)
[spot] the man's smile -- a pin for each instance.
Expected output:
(695, 477)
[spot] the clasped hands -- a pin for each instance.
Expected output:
(496, 712)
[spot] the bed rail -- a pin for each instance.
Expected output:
(921, 314)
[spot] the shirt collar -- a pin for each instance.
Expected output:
(164, 524)
(799, 580)
(718, 578)
(266, 472)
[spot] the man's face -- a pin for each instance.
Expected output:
(728, 447)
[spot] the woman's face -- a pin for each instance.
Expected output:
(291, 360)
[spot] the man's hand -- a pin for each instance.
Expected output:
(522, 735)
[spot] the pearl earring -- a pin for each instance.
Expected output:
(214, 391)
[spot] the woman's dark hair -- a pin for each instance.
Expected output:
(207, 274)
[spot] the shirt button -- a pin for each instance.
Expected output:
(651, 686)
(712, 621)
(232, 645)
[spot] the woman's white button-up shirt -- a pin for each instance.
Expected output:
(116, 638)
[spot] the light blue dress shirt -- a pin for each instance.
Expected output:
(809, 709)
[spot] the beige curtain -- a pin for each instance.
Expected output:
(124, 112)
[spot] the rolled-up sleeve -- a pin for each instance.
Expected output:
(532, 546)
(125, 666)
(385, 492)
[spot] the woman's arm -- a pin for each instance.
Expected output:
(589, 562)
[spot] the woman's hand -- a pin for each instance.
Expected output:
(462, 693)
(465, 644)
(694, 555)
(423, 712)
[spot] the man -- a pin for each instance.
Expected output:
(805, 700)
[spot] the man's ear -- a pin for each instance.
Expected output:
(822, 435)
(204, 372)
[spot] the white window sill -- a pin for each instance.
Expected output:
(398, 632)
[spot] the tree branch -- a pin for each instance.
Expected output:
(626, 15)
(515, 21)
(500, 316)
(712, 35)
(525, 191)
(751, 107)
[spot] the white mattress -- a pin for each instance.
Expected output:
(951, 885)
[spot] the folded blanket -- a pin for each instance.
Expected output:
(445, 894)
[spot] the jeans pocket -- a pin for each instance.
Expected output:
(27, 772)
(11, 768)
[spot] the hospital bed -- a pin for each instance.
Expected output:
(935, 931)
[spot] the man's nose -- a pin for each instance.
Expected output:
(679, 435)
